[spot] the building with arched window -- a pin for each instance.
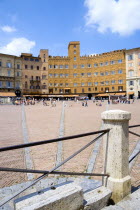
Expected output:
(133, 73)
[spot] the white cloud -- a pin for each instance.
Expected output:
(18, 45)
(8, 29)
(121, 16)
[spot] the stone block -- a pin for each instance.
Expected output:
(69, 197)
(97, 199)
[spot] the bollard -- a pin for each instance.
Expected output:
(117, 157)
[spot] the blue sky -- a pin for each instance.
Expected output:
(99, 25)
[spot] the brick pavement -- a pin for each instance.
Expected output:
(11, 134)
(43, 122)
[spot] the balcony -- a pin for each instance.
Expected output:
(3, 78)
(33, 81)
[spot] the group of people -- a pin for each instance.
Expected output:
(84, 103)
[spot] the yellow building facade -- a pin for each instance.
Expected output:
(87, 75)
(10, 74)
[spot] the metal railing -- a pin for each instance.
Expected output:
(135, 134)
(53, 170)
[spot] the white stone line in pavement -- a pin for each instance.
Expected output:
(92, 160)
(135, 151)
(61, 134)
(28, 159)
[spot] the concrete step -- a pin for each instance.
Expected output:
(130, 202)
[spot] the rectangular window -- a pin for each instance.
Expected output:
(18, 73)
(102, 73)
(26, 66)
(0, 63)
(102, 83)
(32, 67)
(120, 81)
(74, 66)
(120, 61)
(106, 73)
(9, 65)
(31, 59)
(61, 75)
(112, 62)
(83, 90)
(74, 46)
(26, 76)
(75, 74)
(50, 84)
(50, 66)
(75, 91)
(113, 88)
(17, 84)
(9, 73)
(101, 64)
(61, 84)
(95, 83)
(55, 66)
(89, 89)
(37, 67)
(106, 82)
(67, 84)
(26, 59)
(9, 84)
(50, 75)
(55, 84)
(89, 65)
(82, 74)
(95, 64)
(66, 75)
(55, 75)
(44, 68)
(131, 73)
(130, 57)
(82, 65)
(120, 71)
(43, 76)
(18, 66)
(66, 66)
(61, 66)
(107, 89)
(74, 52)
(120, 88)
(36, 60)
(113, 81)
(131, 83)
(75, 84)
(0, 84)
(106, 63)
(82, 84)
(112, 72)
(89, 83)
(130, 64)
(89, 74)
(95, 73)
(74, 58)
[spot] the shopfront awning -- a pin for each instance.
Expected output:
(118, 94)
(102, 94)
(7, 94)
(70, 95)
(131, 93)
